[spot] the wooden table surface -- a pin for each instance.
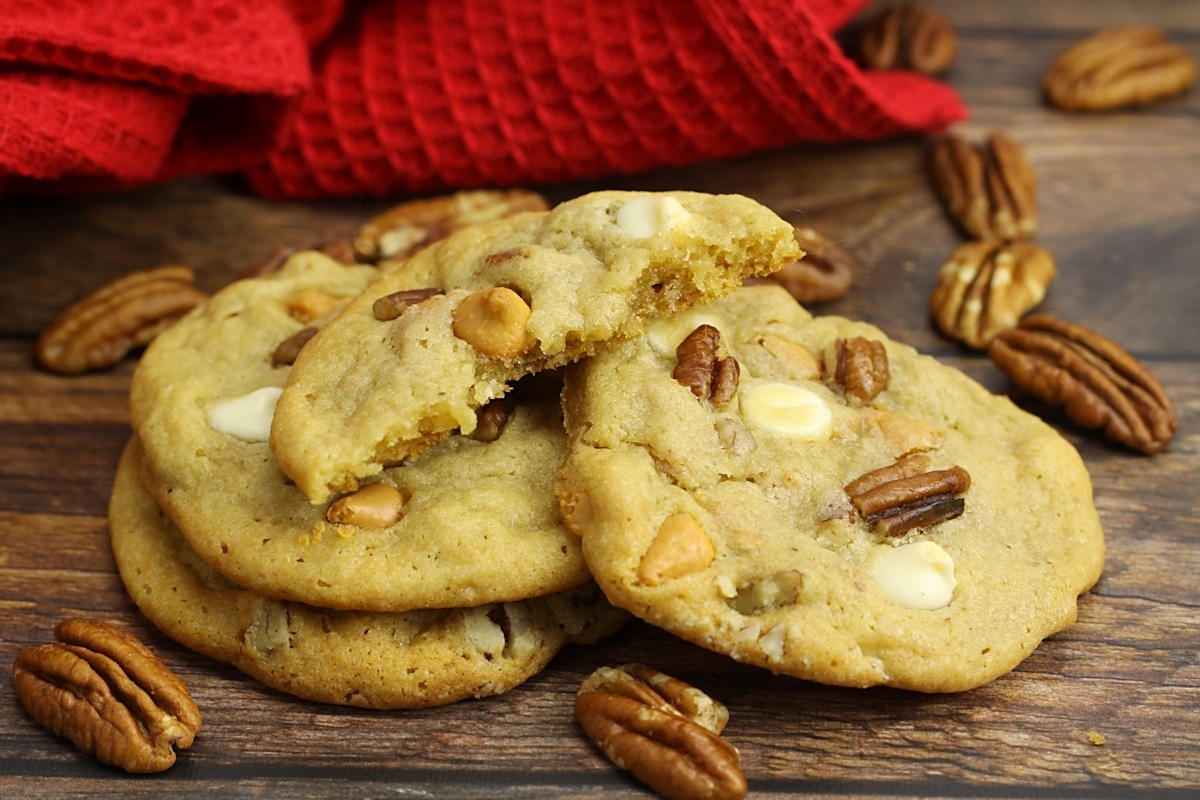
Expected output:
(1120, 210)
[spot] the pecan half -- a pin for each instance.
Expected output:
(824, 273)
(906, 495)
(662, 730)
(989, 190)
(907, 36)
(859, 367)
(127, 313)
(1118, 67)
(1094, 381)
(704, 368)
(109, 694)
(987, 286)
(412, 226)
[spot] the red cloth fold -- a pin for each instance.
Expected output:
(317, 98)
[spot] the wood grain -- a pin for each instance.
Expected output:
(1119, 210)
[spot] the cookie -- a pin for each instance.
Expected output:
(451, 327)
(370, 659)
(447, 531)
(808, 496)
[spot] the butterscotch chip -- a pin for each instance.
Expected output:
(925, 534)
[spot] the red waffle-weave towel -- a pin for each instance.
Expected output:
(419, 97)
(415, 96)
(122, 92)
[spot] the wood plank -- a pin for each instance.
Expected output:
(1118, 211)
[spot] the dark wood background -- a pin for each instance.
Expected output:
(1120, 210)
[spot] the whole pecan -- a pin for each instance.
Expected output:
(1118, 67)
(109, 694)
(127, 313)
(409, 227)
(664, 731)
(824, 273)
(703, 366)
(988, 190)
(859, 367)
(1095, 381)
(987, 286)
(907, 36)
(907, 494)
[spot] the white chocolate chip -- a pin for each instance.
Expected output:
(643, 217)
(665, 333)
(917, 575)
(247, 417)
(789, 410)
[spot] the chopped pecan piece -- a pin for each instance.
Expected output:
(988, 190)
(859, 368)
(285, 354)
(704, 368)
(392, 305)
(1118, 67)
(490, 419)
(907, 36)
(109, 695)
(412, 226)
(494, 321)
(987, 286)
(824, 273)
(662, 730)
(1097, 383)
(906, 495)
(127, 313)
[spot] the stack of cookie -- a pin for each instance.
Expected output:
(405, 484)
(342, 478)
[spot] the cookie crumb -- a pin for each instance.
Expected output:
(1096, 738)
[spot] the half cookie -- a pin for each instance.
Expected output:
(369, 659)
(470, 522)
(449, 329)
(808, 496)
